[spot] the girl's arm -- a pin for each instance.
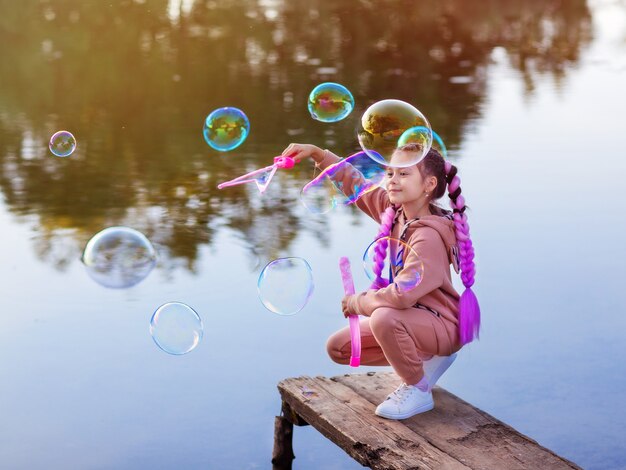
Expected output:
(429, 252)
(347, 178)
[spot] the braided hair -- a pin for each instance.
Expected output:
(469, 310)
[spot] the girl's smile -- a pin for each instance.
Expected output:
(406, 186)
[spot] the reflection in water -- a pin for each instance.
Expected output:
(134, 81)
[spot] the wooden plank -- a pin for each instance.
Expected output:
(461, 430)
(349, 421)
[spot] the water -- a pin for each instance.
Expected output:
(527, 96)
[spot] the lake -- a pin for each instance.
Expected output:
(529, 98)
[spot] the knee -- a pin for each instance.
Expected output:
(336, 350)
(381, 319)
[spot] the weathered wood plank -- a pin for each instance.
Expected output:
(461, 430)
(348, 419)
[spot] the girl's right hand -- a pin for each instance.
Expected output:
(300, 151)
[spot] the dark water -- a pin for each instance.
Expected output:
(528, 97)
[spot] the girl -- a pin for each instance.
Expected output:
(417, 330)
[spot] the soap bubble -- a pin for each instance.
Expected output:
(364, 174)
(381, 127)
(330, 102)
(419, 135)
(62, 144)
(326, 191)
(396, 254)
(226, 128)
(319, 195)
(176, 328)
(119, 257)
(439, 145)
(285, 285)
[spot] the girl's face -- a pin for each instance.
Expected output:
(406, 185)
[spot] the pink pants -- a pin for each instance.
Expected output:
(399, 338)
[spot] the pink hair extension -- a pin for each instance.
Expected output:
(380, 250)
(469, 310)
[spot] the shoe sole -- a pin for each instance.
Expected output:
(438, 372)
(408, 414)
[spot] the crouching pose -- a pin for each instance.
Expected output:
(416, 330)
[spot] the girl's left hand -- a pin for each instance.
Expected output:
(348, 305)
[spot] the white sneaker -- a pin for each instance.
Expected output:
(404, 402)
(435, 367)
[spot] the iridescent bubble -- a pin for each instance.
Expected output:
(226, 128)
(419, 135)
(285, 285)
(398, 258)
(381, 127)
(176, 328)
(439, 145)
(62, 144)
(360, 171)
(328, 190)
(330, 102)
(119, 257)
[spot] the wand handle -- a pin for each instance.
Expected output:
(355, 328)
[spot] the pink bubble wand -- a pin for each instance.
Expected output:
(355, 328)
(262, 176)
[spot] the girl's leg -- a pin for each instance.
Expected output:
(407, 337)
(339, 346)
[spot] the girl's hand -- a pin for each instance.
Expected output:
(348, 304)
(300, 151)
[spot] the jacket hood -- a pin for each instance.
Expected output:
(444, 226)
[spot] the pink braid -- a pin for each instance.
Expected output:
(469, 310)
(380, 250)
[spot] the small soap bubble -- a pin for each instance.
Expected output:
(330, 102)
(176, 328)
(62, 144)
(419, 135)
(383, 124)
(439, 145)
(226, 128)
(119, 257)
(285, 285)
(395, 261)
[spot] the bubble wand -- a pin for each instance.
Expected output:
(355, 328)
(262, 176)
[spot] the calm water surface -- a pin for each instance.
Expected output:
(527, 95)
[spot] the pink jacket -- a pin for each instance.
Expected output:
(432, 237)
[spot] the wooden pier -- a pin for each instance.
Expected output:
(455, 435)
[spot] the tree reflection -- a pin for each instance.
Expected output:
(134, 80)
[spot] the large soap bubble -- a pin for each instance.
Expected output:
(330, 102)
(286, 285)
(361, 172)
(176, 328)
(386, 257)
(119, 257)
(226, 128)
(62, 144)
(327, 190)
(383, 124)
